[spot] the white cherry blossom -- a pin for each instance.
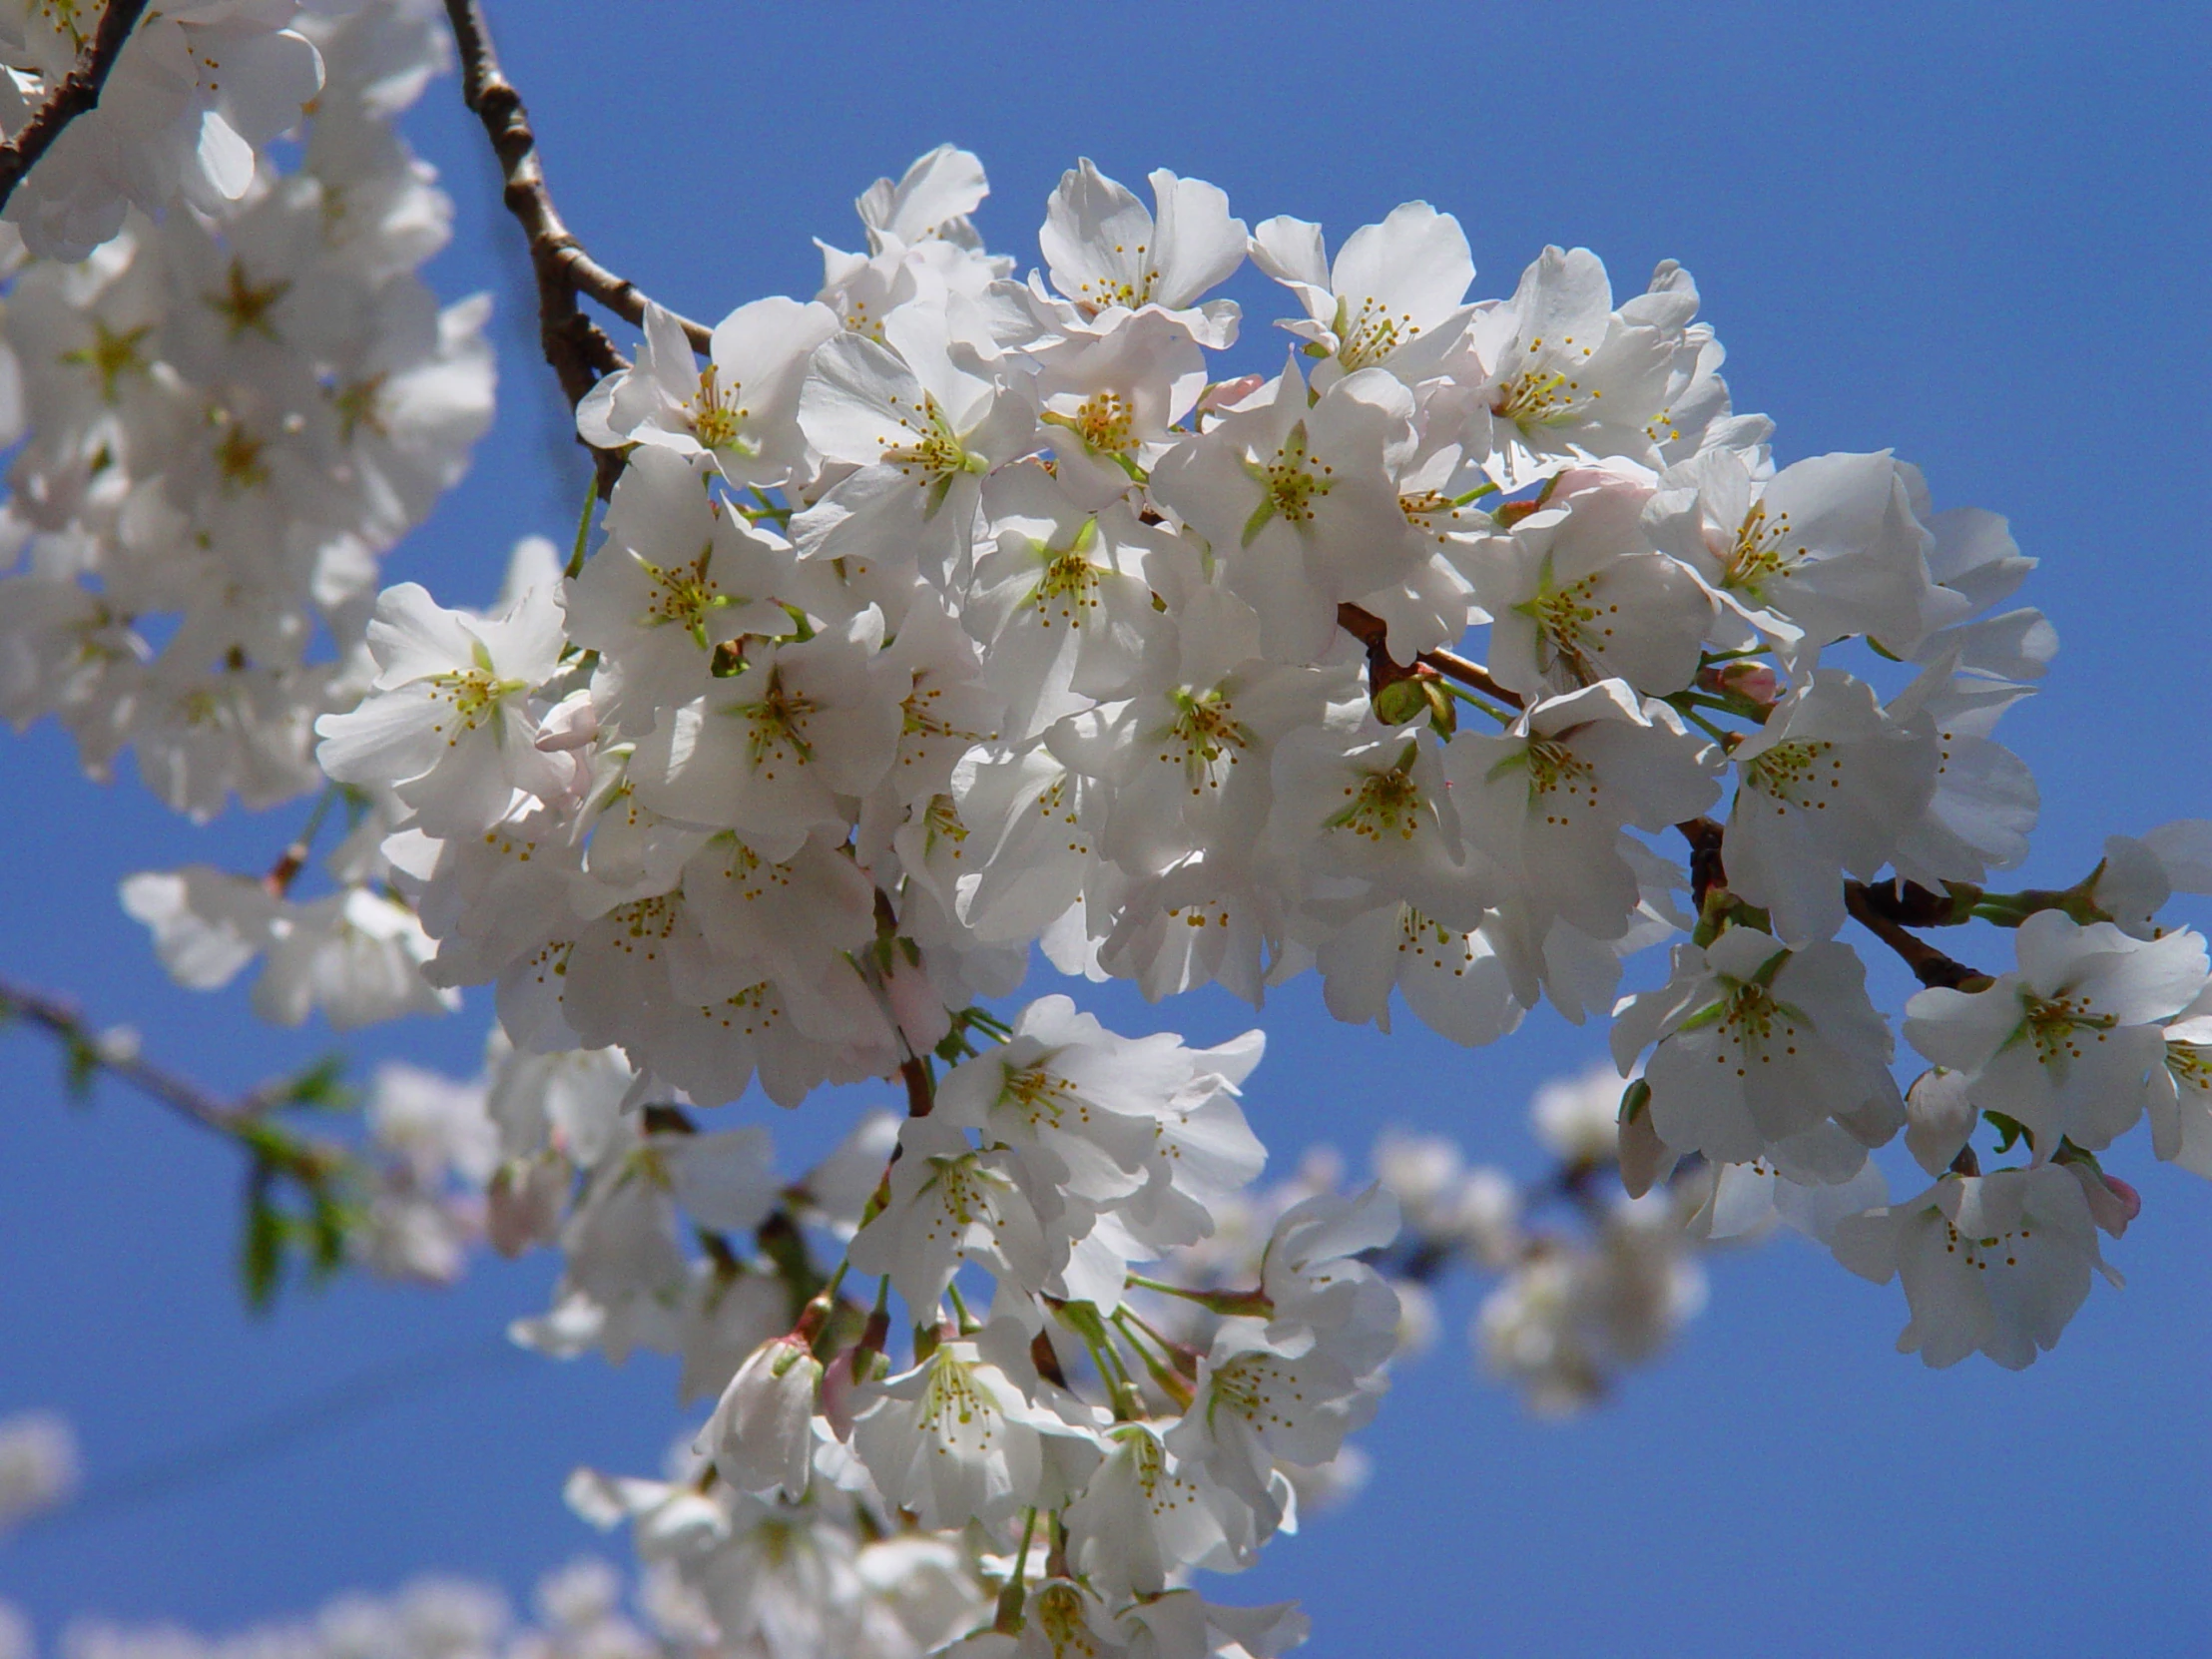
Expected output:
(1109, 256)
(1547, 798)
(768, 751)
(1259, 1399)
(448, 723)
(953, 1440)
(1298, 498)
(1819, 550)
(1563, 377)
(1828, 787)
(1393, 297)
(761, 1436)
(1146, 1517)
(1762, 1052)
(923, 418)
(675, 579)
(1995, 1264)
(741, 410)
(2063, 1044)
(949, 1204)
(2180, 1096)
(1061, 607)
(1577, 594)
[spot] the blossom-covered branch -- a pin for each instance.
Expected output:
(953, 615)
(76, 94)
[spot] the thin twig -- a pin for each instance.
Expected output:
(1455, 666)
(1706, 870)
(922, 1094)
(247, 1121)
(1373, 633)
(178, 1094)
(1929, 965)
(76, 94)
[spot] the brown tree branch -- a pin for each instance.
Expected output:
(487, 91)
(922, 1094)
(1453, 665)
(1887, 909)
(1373, 633)
(1706, 869)
(576, 349)
(88, 1053)
(247, 1120)
(77, 94)
(1909, 905)
(1929, 965)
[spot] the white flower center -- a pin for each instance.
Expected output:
(1203, 738)
(1798, 772)
(1761, 553)
(1370, 334)
(1385, 802)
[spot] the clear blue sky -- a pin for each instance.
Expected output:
(1976, 234)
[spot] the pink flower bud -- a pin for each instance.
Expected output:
(837, 1383)
(2113, 1201)
(1226, 392)
(2130, 1201)
(1755, 682)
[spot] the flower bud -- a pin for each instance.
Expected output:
(1938, 1118)
(2113, 1201)
(761, 1433)
(1399, 702)
(1754, 682)
(1646, 1160)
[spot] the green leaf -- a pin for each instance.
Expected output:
(273, 1147)
(322, 1085)
(327, 1224)
(80, 1065)
(1634, 1099)
(262, 1259)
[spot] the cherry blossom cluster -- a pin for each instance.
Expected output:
(1589, 1283)
(198, 88)
(543, 1151)
(962, 611)
(579, 1614)
(1050, 1465)
(950, 613)
(228, 413)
